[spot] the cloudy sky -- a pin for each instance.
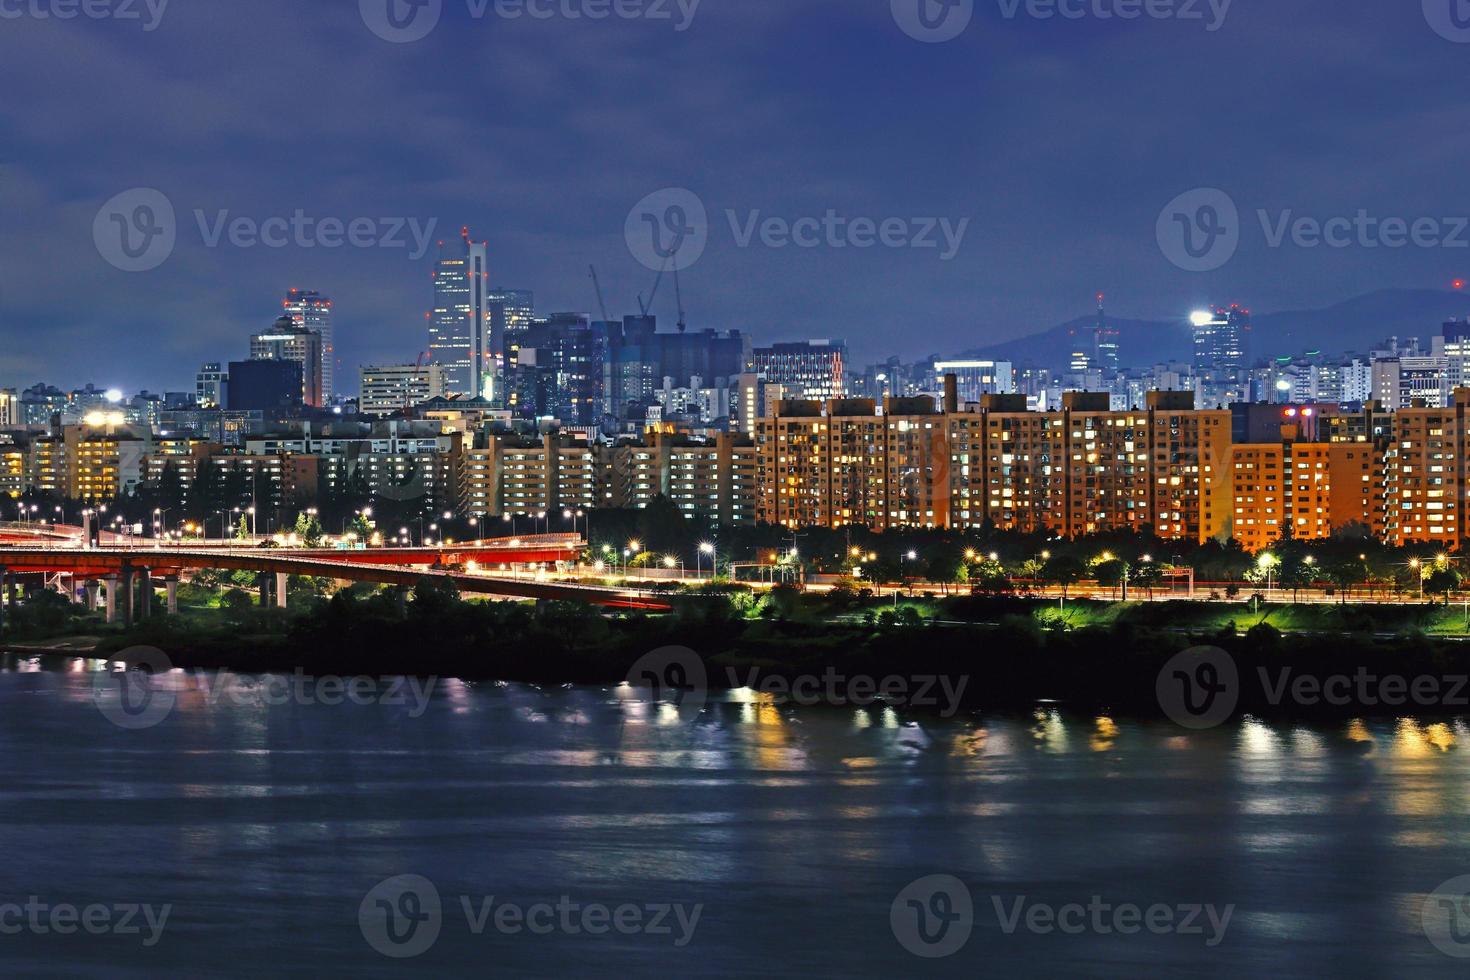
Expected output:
(1054, 144)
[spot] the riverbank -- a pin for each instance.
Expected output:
(966, 653)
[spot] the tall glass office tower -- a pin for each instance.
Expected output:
(459, 323)
(310, 310)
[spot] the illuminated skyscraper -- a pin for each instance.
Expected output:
(1220, 339)
(1104, 343)
(459, 323)
(310, 310)
(511, 314)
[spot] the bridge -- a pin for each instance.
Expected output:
(111, 570)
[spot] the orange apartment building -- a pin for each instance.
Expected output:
(1075, 471)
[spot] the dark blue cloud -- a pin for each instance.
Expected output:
(1059, 140)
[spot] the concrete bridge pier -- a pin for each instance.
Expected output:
(400, 596)
(4, 574)
(110, 582)
(281, 581)
(171, 585)
(263, 584)
(126, 580)
(145, 594)
(91, 587)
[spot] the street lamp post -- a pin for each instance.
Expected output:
(706, 549)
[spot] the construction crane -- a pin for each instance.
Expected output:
(600, 302)
(679, 297)
(678, 292)
(645, 307)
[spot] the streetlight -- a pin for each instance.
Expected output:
(706, 549)
(909, 555)
(1418, 566)
(1266, 563)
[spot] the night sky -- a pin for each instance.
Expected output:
(1059, 140)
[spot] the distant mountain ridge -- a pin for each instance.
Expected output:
(1357, 324)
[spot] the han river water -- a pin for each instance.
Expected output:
(274, 827)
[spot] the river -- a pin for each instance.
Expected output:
(278, 826)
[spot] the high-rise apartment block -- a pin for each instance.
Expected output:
(388, 389)
(1084, 468)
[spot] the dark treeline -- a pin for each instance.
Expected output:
(1004, 656)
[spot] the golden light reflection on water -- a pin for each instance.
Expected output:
(1104, 734)
(1414, 740)
(970, 744)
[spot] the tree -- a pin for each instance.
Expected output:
(308, 529)
(991, 579)
(1441, 582)
(944, 568)
(171, 488)
(1345, 573)
(1111, 573)
(1063, 570)
(1146, 575)
(242, 530)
